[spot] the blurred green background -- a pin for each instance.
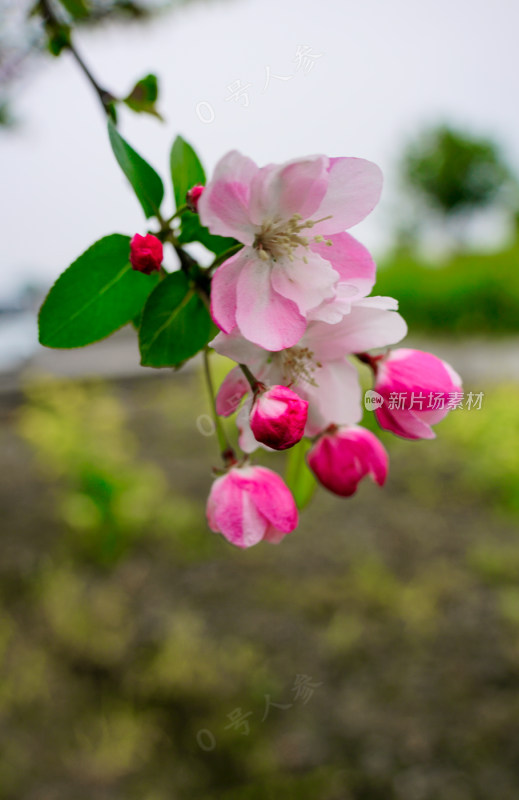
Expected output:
(373, 655)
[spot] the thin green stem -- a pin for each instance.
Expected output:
(226, 450)
(51, 18)
(224, 256)
(178, 213)
(254, 383)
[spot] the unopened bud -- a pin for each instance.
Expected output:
(193, 196)
(146, 253)
(278, 417)
(344, 455)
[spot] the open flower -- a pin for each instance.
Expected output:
(418, 390)
(342, 457)
(291, 219)
(249, 504)
(316, 368)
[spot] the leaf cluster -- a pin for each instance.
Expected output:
(101, 292)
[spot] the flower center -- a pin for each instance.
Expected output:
(298, 364)
(278, 238)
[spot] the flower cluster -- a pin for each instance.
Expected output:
(293, 306)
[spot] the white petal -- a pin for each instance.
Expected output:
(336, 399)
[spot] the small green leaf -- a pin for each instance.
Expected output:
(144, 95)
(298, 476)
(193, 231)
(78, 9)
(175, 323)
(58, 38)
(96, 295)
(146, 183)
(186, 169)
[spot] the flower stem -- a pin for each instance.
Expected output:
(50, 18)
(372, 361)
(224, 256)
(254, 383)
(226, 450)
(178, 213)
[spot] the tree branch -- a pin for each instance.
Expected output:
(52, 21)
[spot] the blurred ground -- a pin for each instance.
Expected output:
(376, 648)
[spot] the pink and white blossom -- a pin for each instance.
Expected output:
(343, 456)
(296, 258)
(418, 390)
(316, 368)
(249, 504)
(278, 417)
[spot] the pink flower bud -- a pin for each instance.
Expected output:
(249, 504)
(343, 456)
(278, 417)
(418, 390)
(193, 196)
(146, 253)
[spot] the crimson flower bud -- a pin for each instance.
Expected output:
(278, 417)
(343, 456)
(193, 196)
(146, 253)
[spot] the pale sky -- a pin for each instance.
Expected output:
(385, 69)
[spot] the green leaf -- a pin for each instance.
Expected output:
(96, 295)
(144, 95)
(175, 323)
(298, 476)
(78, 9)
(186, 169)
(146, 183)
(58, 38)
(193, 231)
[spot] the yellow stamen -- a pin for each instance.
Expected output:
(279, 238)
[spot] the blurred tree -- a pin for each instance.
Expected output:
(448, 176)
(453, 172)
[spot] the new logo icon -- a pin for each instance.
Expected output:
(372, 400)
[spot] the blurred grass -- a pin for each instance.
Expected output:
(126, 627)
(472, 293)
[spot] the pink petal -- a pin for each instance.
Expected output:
(371, 453)
(342, 458)
(335, 399)
(246, 439)
(354, 188)
(351, 260)
(232, 512)
(264, 316)
(233, 389)
(364, 328)
(223, 291)
(403, 423)
(224, 205)
(234, 346)
(417, 371)
(297, 187)
(274, 500)
(306, 284)
(272, 535)
(254, 523)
